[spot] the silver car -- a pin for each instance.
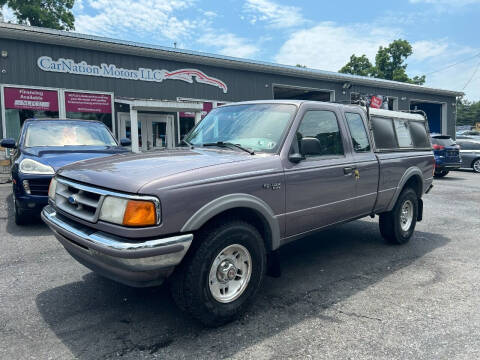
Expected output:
(470, 152)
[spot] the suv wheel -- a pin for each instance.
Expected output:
(476, 166)
(397, 226)
(221, 277)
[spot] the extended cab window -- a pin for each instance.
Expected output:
(357, 132)
(319, 134)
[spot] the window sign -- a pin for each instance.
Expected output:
(88, 103)
(89, 106)
(25, 103)
(31, 99)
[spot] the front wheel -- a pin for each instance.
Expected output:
(397, 226)
(476, 166)
(221, 277)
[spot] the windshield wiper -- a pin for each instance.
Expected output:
(229, 144)
(187, 143)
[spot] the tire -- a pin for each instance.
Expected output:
(20, 217)
(397, 227)
(441, 174)
(476, 165)
(210, 266)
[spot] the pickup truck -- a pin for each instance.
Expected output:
(251, 177)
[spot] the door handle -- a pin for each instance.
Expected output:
(348, 170)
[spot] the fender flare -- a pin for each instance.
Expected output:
(232, 201)
(407, 175)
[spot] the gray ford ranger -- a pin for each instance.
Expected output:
(251, 177)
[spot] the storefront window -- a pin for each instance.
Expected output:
(89, 106)
(22, 104)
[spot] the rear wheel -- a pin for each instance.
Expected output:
(476, 166)
(441, 174)
(397, 226)
(221, 277)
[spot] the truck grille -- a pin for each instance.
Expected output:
(78, 200)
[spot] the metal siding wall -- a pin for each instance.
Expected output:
(21, 68)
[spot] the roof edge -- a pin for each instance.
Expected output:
(73, 39)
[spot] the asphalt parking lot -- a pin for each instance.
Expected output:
(344, 294)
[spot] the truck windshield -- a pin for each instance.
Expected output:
(67, 133)
(259, 127)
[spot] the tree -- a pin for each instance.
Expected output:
(389, 64)
(358, 65)
(468, 112)
(301, 66)
(54, 14)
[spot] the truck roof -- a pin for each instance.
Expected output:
(372, 111)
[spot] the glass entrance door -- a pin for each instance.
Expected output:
(155, 131)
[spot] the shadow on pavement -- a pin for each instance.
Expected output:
(36, 227)
(97, 318)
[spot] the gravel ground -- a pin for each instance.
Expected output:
(344, 294)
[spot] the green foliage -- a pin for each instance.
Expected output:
(301, 66)
(468, 112)
(389, 64)
(54, 14)
(358, 65)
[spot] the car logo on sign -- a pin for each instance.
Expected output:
(72, 199)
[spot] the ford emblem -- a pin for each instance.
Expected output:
(72, 199)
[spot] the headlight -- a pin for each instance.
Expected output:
(52, 188)
(29, 166)
(129, 212)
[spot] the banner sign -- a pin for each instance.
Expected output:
(69, 66)
(376, 102)
(88, 103)
(30, 99)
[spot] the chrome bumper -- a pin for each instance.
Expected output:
(133, 263)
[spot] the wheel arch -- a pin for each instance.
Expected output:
(243, 206)
(413, 177)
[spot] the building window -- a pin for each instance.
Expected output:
(89, 106)
(26, 103)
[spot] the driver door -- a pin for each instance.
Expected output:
(320, 190)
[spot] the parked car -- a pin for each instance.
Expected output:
(255, 176)
(472, 134)
(470, 150)
(44, 146)
(447, 154)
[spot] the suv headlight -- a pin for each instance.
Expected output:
(29, 166)
(130, 212)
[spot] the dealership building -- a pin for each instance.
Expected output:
(154, 95)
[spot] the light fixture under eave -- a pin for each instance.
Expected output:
(4, 53)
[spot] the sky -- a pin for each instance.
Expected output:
(319, 34)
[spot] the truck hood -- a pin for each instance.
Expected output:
(130, 172)
(57, 157)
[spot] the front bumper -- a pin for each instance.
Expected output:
(138, 264)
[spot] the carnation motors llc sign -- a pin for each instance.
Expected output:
(69, 66)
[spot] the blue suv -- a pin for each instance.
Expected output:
(46, 145)
(447, 154)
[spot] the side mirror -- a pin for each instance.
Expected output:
(125, 142)
(296, 158)
(8, 143)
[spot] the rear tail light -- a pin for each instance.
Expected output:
(438, 147)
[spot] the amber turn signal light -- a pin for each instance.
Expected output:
(139, 213)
